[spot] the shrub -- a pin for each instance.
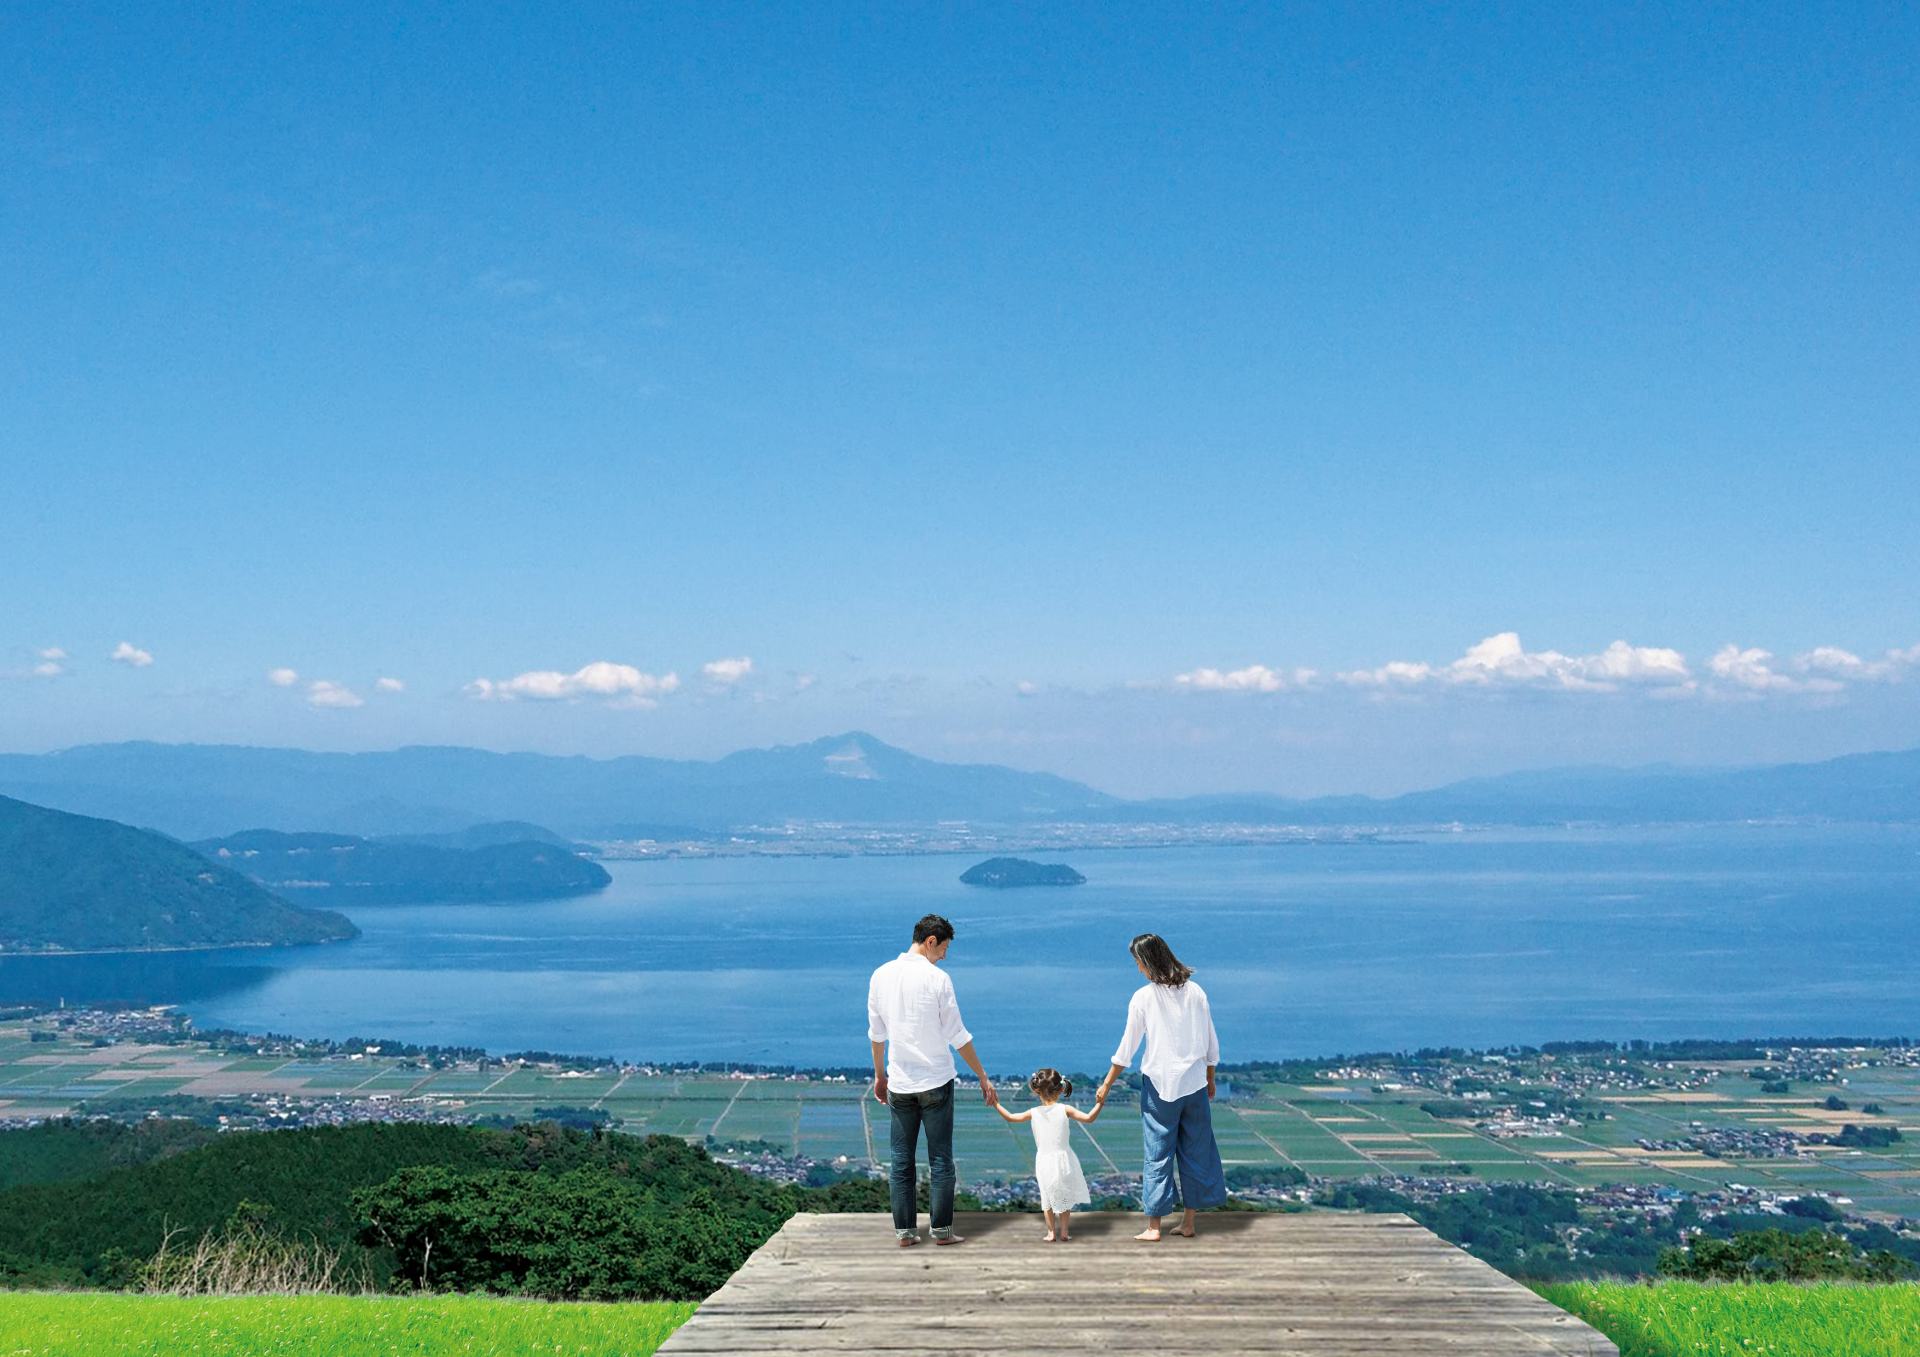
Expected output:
(1780, 1256)
(585, 1235)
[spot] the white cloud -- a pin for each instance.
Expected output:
(1026, 687)
(389, 685)
(1752, 671)
(53, 654)
(1833, 662)
(282, 678)
(128, 653)
(1829, 660)
(1391, 674)
(621, 684)
(1501, 660)
(1255, 678)
(52, 662)
(1624, 663)
(727, 672)
(327, 693)
(802, 682)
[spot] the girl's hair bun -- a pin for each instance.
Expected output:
(1050, 1083)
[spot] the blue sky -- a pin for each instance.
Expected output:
(976, 373)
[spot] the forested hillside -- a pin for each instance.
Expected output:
(538, 1209)
(73, 883)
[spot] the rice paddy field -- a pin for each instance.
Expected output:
(1777, 1319)
(97, 1324)
(1335, 1129)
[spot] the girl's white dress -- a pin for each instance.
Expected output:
(1062, 1185)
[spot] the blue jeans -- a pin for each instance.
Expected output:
(931, 1110)
(1179, 1130)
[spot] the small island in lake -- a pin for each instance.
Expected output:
(1008, 872)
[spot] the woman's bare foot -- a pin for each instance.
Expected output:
(1186, 1230)
(1150, 1235)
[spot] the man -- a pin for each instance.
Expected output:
(912, 1021)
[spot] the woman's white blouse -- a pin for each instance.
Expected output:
(1176, 1022)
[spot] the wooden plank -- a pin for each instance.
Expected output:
(1316, 1284)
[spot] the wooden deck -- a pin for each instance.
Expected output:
(1319, 1284)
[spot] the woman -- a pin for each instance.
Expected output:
(1170, 1012)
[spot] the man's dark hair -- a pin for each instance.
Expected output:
(1163, 967)
(933, 926)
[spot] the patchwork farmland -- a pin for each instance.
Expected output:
(1330, 1127)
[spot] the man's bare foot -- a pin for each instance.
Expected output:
(1047, 1238)
(907, 1241)
(948, 1239)
(1149, 1236)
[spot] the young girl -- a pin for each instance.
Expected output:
(1062, 1185)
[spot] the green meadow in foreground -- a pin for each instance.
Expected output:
(1768, 1319)
(98, 1324)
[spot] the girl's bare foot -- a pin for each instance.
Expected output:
(1047, 1238)
(1150, 1236)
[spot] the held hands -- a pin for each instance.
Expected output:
(989, 1092)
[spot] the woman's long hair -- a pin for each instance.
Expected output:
(1163, 967)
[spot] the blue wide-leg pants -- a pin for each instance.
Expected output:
(1179, 1132)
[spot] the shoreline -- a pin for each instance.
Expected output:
(169, 951)
(1671, 1049)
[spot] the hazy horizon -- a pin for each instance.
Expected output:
(851, 733)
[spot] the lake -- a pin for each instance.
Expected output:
(1479, 938)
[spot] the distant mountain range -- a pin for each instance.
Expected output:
(205, 791)
(340, 869)
(74, 883)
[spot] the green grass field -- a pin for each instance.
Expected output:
(1779, 1319)
(68, 1324)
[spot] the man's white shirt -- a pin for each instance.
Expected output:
(1176, 1022)
(910, 1006)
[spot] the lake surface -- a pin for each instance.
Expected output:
(1465, 939)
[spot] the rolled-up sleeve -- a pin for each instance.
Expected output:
(1136, 1031)
(951, 1027)
(1213, 1040)
(876, 1020)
